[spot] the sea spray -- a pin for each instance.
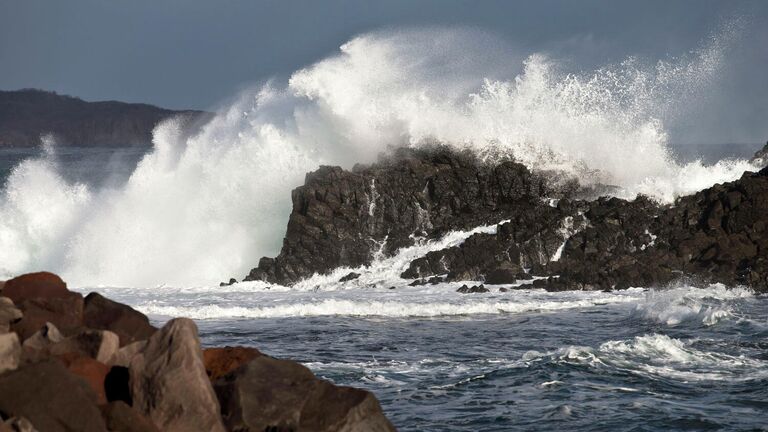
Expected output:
(204, 207)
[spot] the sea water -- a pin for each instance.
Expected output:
(158, 228)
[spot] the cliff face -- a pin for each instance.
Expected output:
(343, 218)
(26, 115)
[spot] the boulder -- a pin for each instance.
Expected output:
(35, 285)
(65, 312)
(221, 361)
(100, 345)
(52, 398)
(120, 417)
(349, 276)
(271, 394)
(9, 314)
(124, 355)
(506, 273)
(472, 290)
(38, 345)
(17, 424)
(92, 371)
(104, 314)
(169, 384)
(10, 352)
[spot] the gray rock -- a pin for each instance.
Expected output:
(10, 352)
(169, 384)
(124, 355)
(9, 314)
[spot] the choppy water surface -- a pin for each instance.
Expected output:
(675, 359)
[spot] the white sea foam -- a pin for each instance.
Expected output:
(201, 208)
(659, 355)
(684, 304)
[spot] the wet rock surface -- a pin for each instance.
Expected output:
(346, 218)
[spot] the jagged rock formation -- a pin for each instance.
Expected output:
(26, 115)
(344, 218)
(717, 235)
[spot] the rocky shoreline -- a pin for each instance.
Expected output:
(554, 230)
(74, 363)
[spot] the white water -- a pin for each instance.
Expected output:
(200, 209)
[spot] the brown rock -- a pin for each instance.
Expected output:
(10, 352)
(129, 324)
(272, 394)
(92, 371)
(100, 345)
(51, 398)
(65, 312)
(169, 384)
(120, 417)
(35, 285)
(221, 361)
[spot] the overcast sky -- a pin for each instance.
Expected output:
(196, 53)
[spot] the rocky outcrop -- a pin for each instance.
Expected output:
(269, 394)
(345, 218)
(168, 381)
(130, 325)
(27, 114)
(97, 380)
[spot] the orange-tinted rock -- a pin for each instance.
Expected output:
(65, 312)
(34, 285)
(104, 314)
(92, 371)
(221, 361)
(120, 417)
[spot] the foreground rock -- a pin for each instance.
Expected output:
(51, 398)
(270, 394)
(134, 377)
(168, 381)
(345, 218)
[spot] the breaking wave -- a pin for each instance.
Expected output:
(202, 207)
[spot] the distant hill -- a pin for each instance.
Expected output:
(26, 115)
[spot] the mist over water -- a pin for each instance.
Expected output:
(200, 208)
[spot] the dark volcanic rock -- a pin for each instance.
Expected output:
(129, 324)
(342, 218)
(349, 276)
(268, 394)
(51, 398)
(472, 290)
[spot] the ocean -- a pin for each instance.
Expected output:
(677, 358)
(158, 228)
